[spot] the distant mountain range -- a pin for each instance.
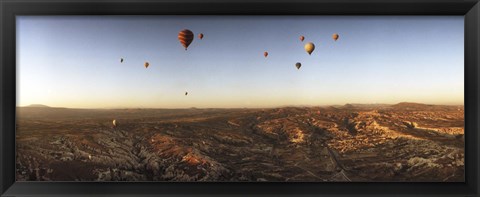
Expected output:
(38, 105)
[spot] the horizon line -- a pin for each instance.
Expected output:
(283, 106)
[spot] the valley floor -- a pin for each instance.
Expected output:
(403, 142)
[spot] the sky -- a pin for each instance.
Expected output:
(74, 61)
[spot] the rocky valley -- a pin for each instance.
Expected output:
(403, 142)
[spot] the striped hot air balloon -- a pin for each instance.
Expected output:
(185, 37)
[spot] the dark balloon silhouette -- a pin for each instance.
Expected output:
(298, 65)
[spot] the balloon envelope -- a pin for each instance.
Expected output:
(200, 36)
(309, 47)
(265, 54)
(185, 37)
(114, 122)
(335, 36)
(298, 65)
(121, 60)
(146, 64)
(302, 38)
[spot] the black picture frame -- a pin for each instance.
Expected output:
(9, 9)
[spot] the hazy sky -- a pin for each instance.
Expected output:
(73, 61)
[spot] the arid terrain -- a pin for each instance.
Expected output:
(353, 142)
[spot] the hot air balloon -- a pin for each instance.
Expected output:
(146, 64)
(114, 122)
(302, 38)
(121, 60)
(335, 36)
(309, 47)
(200, 36)
(265, 54)
(90, 157)
(186, 93)
(298, 65)
(185, 37)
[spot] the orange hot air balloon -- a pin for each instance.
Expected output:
(146, 64)
(200, 36)
(309, 47)
(335, 36)
(265, 54)
(302, 38)
(185, 37)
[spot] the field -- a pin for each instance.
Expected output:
(403, 142)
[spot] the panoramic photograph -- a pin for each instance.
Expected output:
(240, 98)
